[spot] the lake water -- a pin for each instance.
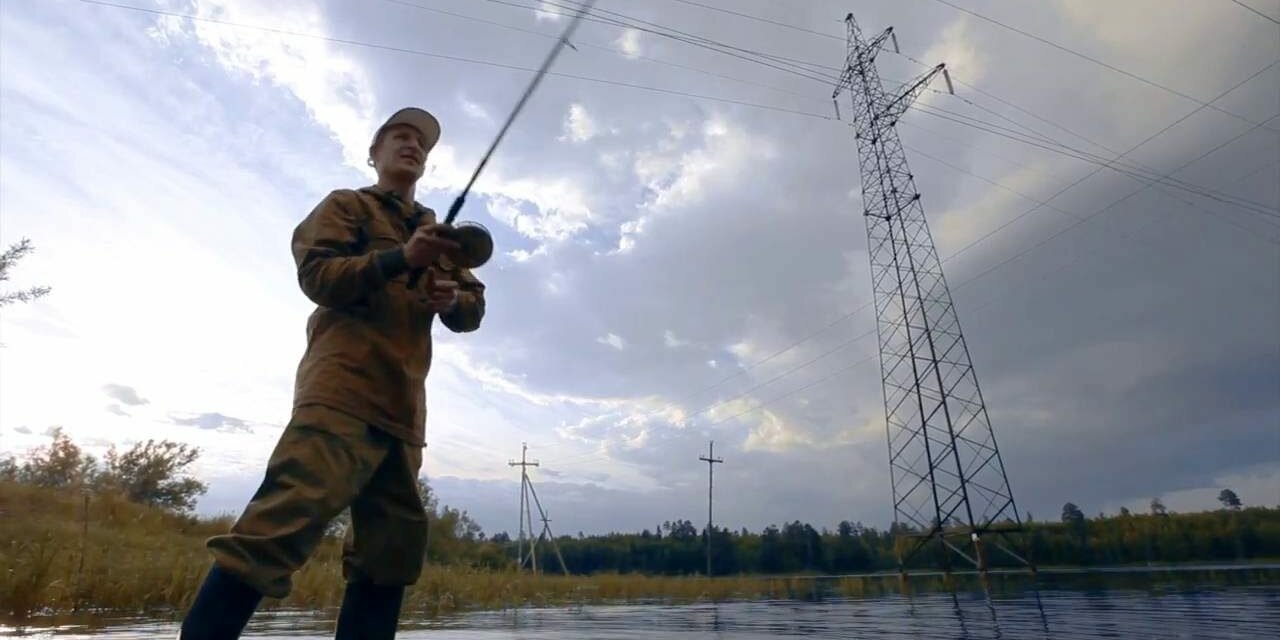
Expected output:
(1200, 603)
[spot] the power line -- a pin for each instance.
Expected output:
(1083, 155)
(759, 19)
(803, 68)
(613, 50)
(1257, 207)
(1061, 127)
(1256, 11)
(488, 63)
(1114, 165)
(985, 305)
(1093, 60)
(828, 352)
(1249, 232)
(429, 54)
(1040, 204)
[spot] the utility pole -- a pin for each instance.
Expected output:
(546, 529)
(524, 465)
(711, 465)
(946, 473)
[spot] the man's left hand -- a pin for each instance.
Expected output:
(440, 294)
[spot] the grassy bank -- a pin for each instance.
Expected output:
(63, 554)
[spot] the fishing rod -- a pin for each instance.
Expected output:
(476, 241)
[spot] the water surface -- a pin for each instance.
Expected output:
(1199, 603)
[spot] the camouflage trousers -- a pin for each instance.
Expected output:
(324, 462)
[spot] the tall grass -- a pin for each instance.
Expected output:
(108, 556)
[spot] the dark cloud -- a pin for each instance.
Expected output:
(215, 422)
(125, 395)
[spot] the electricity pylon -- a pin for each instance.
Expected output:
(947, 476)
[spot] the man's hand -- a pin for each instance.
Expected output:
(426, 245)
(440, 294)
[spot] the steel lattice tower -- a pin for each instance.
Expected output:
(947, 476)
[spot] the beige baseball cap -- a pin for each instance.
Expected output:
(420, 119)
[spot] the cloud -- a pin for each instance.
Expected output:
(548, 11)
(23, 430)
(341, 98)
(125, 395)
(671, 341)
(117, 409)
(613, 340)
(629, 42)
(332, 84)
(475, 110)
(578, 124)
(214, 422)
(962, 51)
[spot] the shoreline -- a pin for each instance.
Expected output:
(586, 591)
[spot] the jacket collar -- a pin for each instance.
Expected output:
(394, 204)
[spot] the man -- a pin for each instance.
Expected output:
(356, 434)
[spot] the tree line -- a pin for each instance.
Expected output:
(154, 473)
(1230, 534)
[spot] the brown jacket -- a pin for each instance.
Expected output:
(369, 340)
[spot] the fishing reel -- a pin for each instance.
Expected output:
(476, 244)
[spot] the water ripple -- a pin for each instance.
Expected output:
(1071, 607)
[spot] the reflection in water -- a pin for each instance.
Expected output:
(1059, 607)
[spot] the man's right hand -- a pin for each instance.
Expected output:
(426, 245)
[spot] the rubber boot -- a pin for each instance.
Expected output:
(369, 612)
(222, 608)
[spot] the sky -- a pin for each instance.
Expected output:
(681, 256)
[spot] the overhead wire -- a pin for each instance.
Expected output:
(1254, 206)
(759, 19)
(1114, 165)
(1133, 170)
(1249, 233)
(780, 63)
(1263, 15)
(430, 54)
(971, 245)
(984, 305)
(1094, 60)
(1107, 164)
(614, 50)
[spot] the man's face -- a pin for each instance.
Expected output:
(400, 153)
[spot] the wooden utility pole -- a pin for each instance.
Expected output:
(711, 463)
(524, 465)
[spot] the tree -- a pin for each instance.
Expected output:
(152, 473)
(60, 465)
(8, 259)
(1158, 508)
(1071, 514)
(1124, 512)
(1229, 499)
